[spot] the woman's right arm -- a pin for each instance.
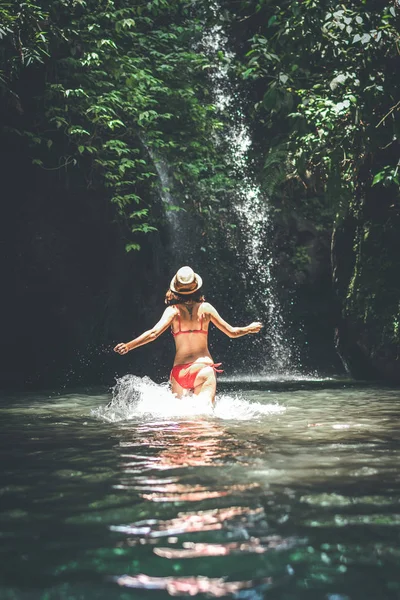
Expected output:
(150, 335)
(224, 326)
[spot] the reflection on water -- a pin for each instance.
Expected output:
(188, 522)
(191, 586)
(279, 494)
(178, 444)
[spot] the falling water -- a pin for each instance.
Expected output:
(249, 208)
(175, 218)
(178, 220)
(252, 212)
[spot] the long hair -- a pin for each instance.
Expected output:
(174, 298)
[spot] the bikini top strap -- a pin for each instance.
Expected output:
(179, 321)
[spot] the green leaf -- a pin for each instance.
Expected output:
(76, 130)
(144, 228)
(139, 214)
(132, 246)
(378, 177)
(247, 73)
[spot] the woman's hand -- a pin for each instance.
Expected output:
(122, 348)
(254, 327)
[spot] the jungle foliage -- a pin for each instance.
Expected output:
(117, 85)
(326, 98)
(114, 87)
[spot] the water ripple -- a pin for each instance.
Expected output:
(192, 586)
(235, 518)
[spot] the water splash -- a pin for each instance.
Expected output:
(139, 397)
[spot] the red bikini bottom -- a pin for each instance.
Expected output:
(187, 380)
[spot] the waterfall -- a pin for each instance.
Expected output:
(250, 206)
(249, 209)
(179, 221)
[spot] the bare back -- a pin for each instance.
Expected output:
(190, 331)
(193, 365)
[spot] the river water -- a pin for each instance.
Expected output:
(287, 491)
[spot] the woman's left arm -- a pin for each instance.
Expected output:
(151, 334)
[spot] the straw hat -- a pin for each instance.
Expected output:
(186, 281)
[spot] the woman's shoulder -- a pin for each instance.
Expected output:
(207, 308)
(171, 310)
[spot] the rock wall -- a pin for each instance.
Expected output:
(366, 269)
(71, 289)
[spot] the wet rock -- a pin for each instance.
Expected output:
(366, 267)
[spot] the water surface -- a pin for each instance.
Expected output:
(287, 492)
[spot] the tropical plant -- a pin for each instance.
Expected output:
(327, 92)
(125, 84)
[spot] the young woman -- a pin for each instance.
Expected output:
(189, 317)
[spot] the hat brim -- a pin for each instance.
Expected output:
(199, 283)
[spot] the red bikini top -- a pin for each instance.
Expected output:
(201, 330)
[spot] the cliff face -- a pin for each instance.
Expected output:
(303, 275)
(72, 290)
(366, 268)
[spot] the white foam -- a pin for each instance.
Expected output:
(137, 397)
